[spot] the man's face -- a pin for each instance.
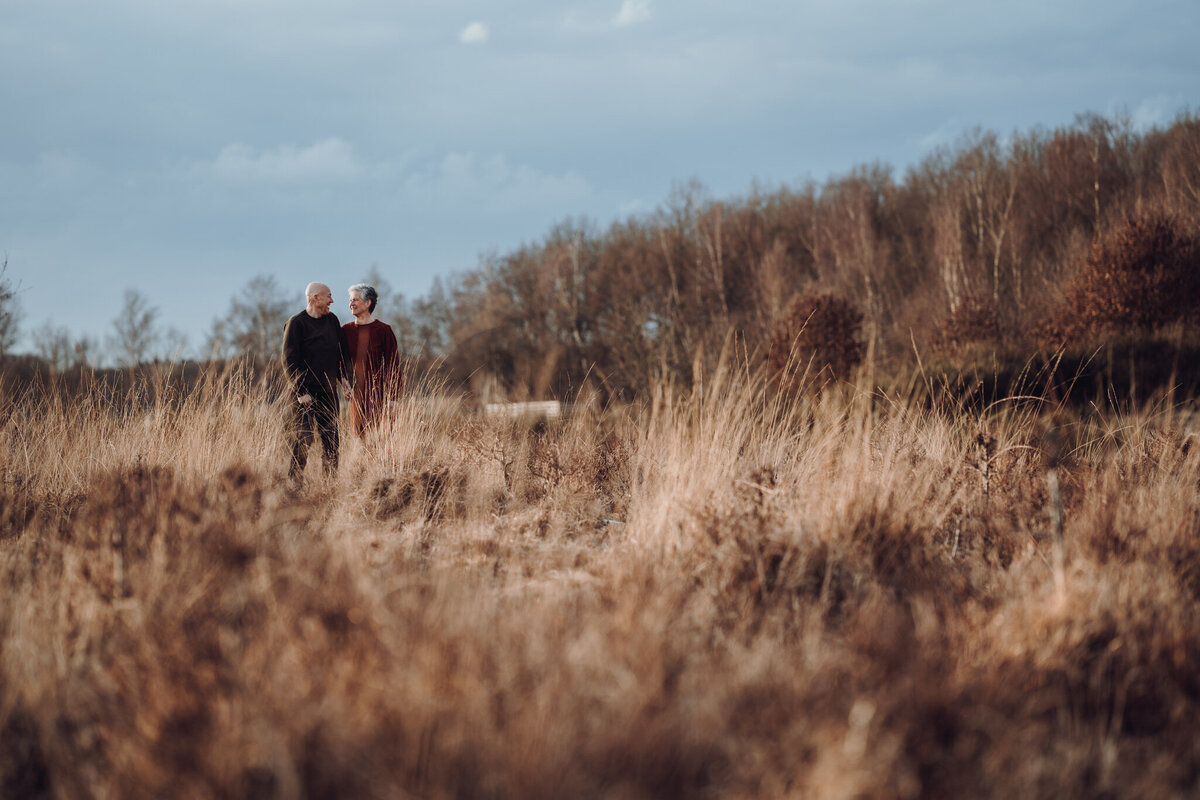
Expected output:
(321, 301)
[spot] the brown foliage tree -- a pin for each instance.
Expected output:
(1142, 275)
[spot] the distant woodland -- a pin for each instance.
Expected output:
(986, 252)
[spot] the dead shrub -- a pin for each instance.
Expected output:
(1142, 275)
(566, 461)
(430, 494)
(757, 559)
(819, 340)
(753, 562)
(974, 322)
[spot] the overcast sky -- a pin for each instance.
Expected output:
(183, 148)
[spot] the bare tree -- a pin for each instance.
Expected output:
(254, 323)
(431, 317)
(8, 312)
(52, 343)
(86, 350)
(174, 346)
(1181, 166)
(135, 330)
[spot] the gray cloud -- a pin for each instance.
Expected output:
(328, 160)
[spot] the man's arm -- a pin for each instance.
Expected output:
(345, 363)
(293, 357)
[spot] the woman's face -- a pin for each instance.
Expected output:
(357, 304)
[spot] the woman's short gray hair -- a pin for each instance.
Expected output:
(368, 293)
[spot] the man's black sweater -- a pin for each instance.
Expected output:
(315, 353)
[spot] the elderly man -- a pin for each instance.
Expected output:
(315, 359)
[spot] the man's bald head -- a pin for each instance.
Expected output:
(319, 299)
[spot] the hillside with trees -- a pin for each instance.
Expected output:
(996, 250)
(997, 245)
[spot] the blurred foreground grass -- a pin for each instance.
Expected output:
(720, 594)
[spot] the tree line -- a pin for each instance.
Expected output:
(979, 244)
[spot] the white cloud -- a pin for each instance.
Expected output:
(943, 135)
(328, 160)
(493, 182)
(630, 207)
(632, 12)
(1154, 111)
(475, 33)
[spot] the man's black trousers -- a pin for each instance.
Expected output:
(321, 414)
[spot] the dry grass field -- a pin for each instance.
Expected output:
(720, 594)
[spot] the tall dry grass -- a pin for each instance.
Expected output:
(725, 593)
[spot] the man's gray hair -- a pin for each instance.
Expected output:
(368, 293)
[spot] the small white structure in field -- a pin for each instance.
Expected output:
(548, 409)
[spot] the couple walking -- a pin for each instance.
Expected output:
(323, 359)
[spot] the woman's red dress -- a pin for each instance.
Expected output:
(378, 377)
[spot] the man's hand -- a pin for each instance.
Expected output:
(304, 399)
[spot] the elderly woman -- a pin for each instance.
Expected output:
(378, 376)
